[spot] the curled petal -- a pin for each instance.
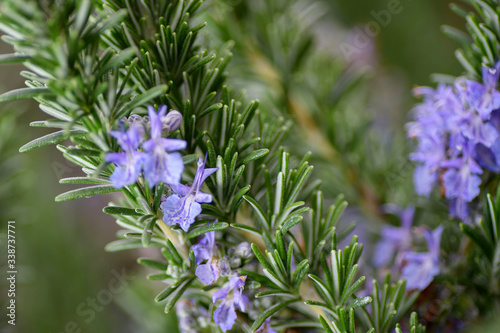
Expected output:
(203, 197)
(221, 293)
(118, 158)
(201, 252)
(173, 144)
(205, 249)
(225, 315)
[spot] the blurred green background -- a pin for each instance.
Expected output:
(412, 43)
(60, 257)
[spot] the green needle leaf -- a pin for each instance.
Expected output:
(86, 192)
(49, 139)
(269, 312)
(23, 93)
(255, 155)
(112, 210)
(155, 264)
(207, 228)
(13, 58)
(128, 244)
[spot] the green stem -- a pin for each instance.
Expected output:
(176, 239)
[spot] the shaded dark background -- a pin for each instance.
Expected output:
(60, 246)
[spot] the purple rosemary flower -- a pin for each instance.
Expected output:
(394, 239)
(130, 160)
(484, 97)
(457, 130)
(420, 267)
(461, 181)
(205, 250)
(162, 166)
(183, 207)
(225, 315)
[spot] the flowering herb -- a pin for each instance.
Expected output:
(225, 315)
(456, 129)
(184, 206)
(95, 66)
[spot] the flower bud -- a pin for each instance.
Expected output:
(243, 250)
(172, 121)
(235, 262)
(224, 267)
(134, 118)
(173, 271)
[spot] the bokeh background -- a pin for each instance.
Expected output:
(60, 246)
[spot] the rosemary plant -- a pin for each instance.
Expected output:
(143, 96)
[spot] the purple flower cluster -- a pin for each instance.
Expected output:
(458, 134)
(159, 160)
(417, 268)
(214, 267)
